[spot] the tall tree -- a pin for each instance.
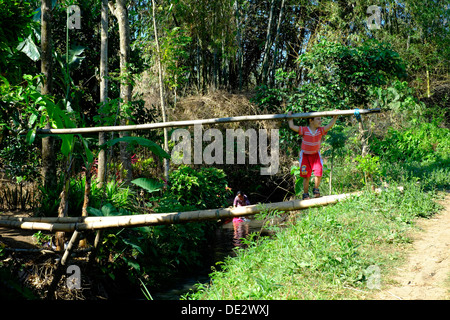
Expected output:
(120, 11)
(48, 154)
(161, 93)
(277, 34)
(268, 43)
(101, 175)
(239, 42)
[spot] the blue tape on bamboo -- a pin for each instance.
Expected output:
(357, 115)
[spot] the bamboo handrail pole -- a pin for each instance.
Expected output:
(187, 123)
(41, 219)
(95, 223)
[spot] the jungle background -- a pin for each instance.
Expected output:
(154, 61)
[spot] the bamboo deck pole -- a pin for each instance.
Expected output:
(187, 123)
(69, 224)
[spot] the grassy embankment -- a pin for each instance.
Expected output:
(331, 252)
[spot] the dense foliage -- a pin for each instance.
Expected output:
(285, 55)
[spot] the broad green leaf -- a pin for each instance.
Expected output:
(106, 211)
(132, 264)
(94, 212)
(155, 148)
(67, 144)
(29, 48)
(75, 57)
(109, 210)
(32, 119)
(31, 135)
(132, 244)
(89, 154)
(299, 186)
(151, 185)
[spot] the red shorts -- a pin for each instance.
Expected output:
(310, 163)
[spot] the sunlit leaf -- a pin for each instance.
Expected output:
(151, 185)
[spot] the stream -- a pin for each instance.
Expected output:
(226, 238)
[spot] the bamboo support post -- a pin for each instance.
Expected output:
(186, 123)
(73, 239)
(70, 224)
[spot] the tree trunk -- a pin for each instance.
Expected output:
(101, 173)
(87, 192)
(364, 138)
(239, 43)
(64, 204)
(161, 93)
(268, 44)
(48, 170)
(48, 143)
(46, 45)
(275, 54)
(120, 12)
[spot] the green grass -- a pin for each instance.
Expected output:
(326, 252)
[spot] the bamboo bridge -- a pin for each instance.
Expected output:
(70, 224)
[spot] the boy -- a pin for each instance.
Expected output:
(310, 159)
(241, 200)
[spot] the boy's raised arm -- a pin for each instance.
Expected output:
(331, 124)
(291, 123)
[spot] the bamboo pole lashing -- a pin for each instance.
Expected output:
(70, 224)
(187, 123)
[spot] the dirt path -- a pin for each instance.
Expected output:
(16, 238)
(426, 273)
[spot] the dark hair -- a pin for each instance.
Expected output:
(239, 193)
(307, 120)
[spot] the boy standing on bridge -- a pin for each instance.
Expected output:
(310, 159)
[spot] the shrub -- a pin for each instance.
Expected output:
(426, 141)
(203, 189)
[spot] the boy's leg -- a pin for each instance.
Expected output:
(318, 168)
(305, 173)
(317, 181)
(306, 184)
(316, 191)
